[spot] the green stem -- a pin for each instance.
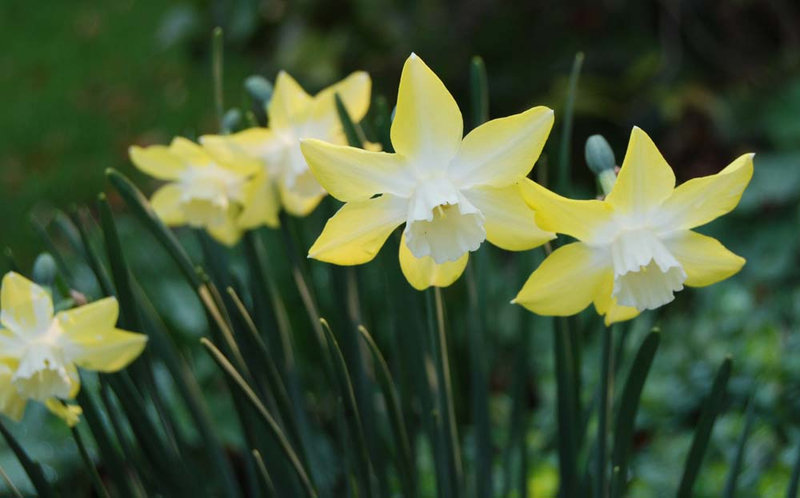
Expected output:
(606, 397)
(567, 426)
(13, 489)
(447, 406)
(564, 166)
(96, 482)
(216, 69)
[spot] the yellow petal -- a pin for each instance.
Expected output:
(93, 342)
(352, 174)
(606, 304)
(422, 273)
(228, 231)
(157, 161)
(298, 203)
(565, 283)
(25, 308)
(227, 152)
(645, 179)
(509, 222)
(704, 259)
(12, 404)
(190, 152)
(289, 102)
(261, 204)
(427, 120)
(253, 142)
(701, 200)
(70, 414)
(355, 234)
(355, 94)
(579, 219)
(502, 151)
(166, 202)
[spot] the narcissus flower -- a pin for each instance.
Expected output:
(284, 179)
(204, 191)
(636, 248)
(452, 192)
(40, 351)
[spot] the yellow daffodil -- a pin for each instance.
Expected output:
(452, 192)
(636, 248)
(284, 178)
(40, 351)
(204, 191)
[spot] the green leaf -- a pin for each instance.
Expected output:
(736, 466)
(273, 426)
(564, 165)
(478, 91)
(351, 131)
(33, 469)
(702, 434)
(629, 405)
(405, 461)
(135, 200)
(344, 383)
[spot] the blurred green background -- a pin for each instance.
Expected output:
(83, 80)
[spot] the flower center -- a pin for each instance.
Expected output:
(43, 373)
(646, 274)
(442, 223)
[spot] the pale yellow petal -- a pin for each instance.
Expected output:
(289, 103)
(70, 414)
(157, 161)
(355, 94)
(261, 204)
(606, 304)
(704, 259)
(352, 174)
(509, 222)
(704, 199)
(356, 233)
(227, 232)
(554, 213)
(166, 202)
(502, 151)
(645, 179)
(93, 342)
(12, 404)
(427, 122)
(298, 203)
(253, 142)
(422, 273)
(566, 282)
(25, 308)
(190, 152)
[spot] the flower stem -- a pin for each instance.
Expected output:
(606, 396)
(446, 390)
(96, 482)
(216, 72)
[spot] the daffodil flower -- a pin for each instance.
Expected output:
(40, 351)
(284, 178)
(204, 191)
(452, 192)
(635, 249)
